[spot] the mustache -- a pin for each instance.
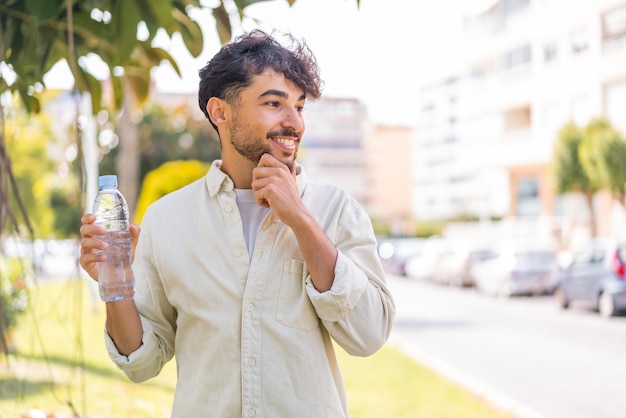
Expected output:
(286, 132)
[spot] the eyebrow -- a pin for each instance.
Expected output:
(279, 93)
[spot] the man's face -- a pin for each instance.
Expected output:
(268, 119)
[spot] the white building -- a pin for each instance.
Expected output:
(484, 140)
(332, 148)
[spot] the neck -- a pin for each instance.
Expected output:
(239, 170)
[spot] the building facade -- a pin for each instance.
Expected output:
(483, 143)
(332, 147)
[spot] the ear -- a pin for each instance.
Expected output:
(218, 110)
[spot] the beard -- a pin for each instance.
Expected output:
(253, 147)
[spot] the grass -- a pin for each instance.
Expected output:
(60, 366)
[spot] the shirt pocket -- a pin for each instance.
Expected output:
(294, 309)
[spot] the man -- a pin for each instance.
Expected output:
(249, 274)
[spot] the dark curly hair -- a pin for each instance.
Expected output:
(233, 67)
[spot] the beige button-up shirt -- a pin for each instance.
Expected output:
(252, 337)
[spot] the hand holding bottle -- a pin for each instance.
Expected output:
(111, 241)
(91, 245)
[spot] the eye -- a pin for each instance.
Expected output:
(299, 109)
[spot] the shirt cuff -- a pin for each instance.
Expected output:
(348, 286)
(141, 358)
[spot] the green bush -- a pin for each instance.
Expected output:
(167, 178)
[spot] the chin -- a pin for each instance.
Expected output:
(290, 164)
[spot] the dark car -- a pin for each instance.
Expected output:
(597, 277)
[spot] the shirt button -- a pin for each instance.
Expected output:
(228, 209)
(250, 307)
(251, 412)
(251, 362)
(237, 253)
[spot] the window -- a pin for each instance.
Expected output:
(614, 26)
(516, 57)
(528, 203)
(550, 51)
(580, 41)
(582, 258)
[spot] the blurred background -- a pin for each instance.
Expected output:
(446, 119)
(485, 138)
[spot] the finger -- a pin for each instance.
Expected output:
(90, 245)
(134, 230)
(260, 192)
(89, 230)
(263, 202)
(88, 218)
(268, 160)
(87, 260)
(134, 238)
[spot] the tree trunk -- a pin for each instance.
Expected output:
(127, 162)
(593, 227)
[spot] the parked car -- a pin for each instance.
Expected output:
(596, 276)
(394, 252)
(459, 268)
(451, 261)
(517, 271)
(422, 265)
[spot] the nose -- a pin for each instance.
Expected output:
(292, 118)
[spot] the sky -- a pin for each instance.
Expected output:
(379, 53)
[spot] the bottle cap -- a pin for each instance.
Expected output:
(107, 182)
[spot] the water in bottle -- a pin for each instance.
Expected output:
(115, 275)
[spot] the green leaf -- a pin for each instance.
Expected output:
(86, 82)
(95, 91)
(90, 30)
(118, 90)
(190, 31)
(125, 17)
(10, 38)
(49, 55)
(45, 9)
(158, 14)
(80, 78)
(242, 4)
(157, 55)
(222, 23)
(139, 81)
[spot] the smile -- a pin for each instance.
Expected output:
(286, 142)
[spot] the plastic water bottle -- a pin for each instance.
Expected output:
(115, 275)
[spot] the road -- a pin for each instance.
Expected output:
(523, 354)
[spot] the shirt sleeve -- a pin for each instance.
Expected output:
(158, 318)
(358, 310)
(143, 363)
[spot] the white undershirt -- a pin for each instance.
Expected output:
(252, 216)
